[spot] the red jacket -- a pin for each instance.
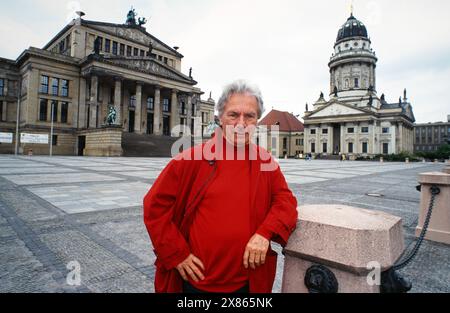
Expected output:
(170, 205)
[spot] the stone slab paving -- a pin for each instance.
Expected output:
(86, 209)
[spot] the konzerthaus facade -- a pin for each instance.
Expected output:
(355, 121)
(87, 69)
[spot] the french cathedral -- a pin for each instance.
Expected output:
(355, 120)
(99, 89)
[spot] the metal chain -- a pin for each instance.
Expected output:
(401, 264)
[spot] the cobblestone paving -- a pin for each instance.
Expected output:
(54, 211)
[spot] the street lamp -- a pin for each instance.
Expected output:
(19, 89)
(51, 129)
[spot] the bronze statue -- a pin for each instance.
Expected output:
(142, 21)
(335, 91)
(111, 117)
(190, 72)
(131, 17)
(307, 108)
(370, 101)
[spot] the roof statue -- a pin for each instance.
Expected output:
(131, 19)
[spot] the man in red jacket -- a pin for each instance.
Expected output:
(214, 209)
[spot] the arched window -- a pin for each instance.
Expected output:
(346, 83)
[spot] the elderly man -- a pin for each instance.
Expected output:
(214, 209)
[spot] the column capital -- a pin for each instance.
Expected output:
(118, 78)
(140, 83)
(157, 86)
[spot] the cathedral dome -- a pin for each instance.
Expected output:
(352, 28)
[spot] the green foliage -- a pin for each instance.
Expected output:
(443, 153)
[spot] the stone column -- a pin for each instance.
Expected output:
(93, 102)
(189, 113)
(138, 109)
(393, 142)
(117, 100)
(175, 114)
(4, 111)
(343, 148)
(82, 103)
(157, 121)
(348, 242)
(306, 145)
(356, 147)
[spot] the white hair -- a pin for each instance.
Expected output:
(240, 87)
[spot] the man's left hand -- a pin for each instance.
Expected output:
(256, 251)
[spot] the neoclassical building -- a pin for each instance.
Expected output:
(354, 120)
(66, 89)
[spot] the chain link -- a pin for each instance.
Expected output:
(401, 264)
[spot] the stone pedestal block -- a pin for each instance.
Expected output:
(344, 239)
(439, 227)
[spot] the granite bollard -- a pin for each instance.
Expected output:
(439, 226)
(346, 240)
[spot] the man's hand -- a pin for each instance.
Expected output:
(191, 268)
(256, 251)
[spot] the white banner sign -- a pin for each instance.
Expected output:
(6, 137)
(34, 138)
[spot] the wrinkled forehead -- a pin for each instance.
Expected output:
(241, 103)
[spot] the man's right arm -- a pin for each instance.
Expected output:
(170, 247)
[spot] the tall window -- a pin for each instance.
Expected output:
(165, 60)
(183, 108)
(55, 110)
(114, 48)
(284, 143)
(55, 86)
(150, 103)
(166, 105)
(356, 82)
(64, 87)
(44, 85)
(325, 147)
(1, 111)
(64, 111)
(43, 110)
(129, 51)
(122, 49)
(100, 40)
(350, 147)
(364, 147)
(133, 101)
(107, 45)
(313, 147)
(2, 87)
(136, 52)
(142, 53)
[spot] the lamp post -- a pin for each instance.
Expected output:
(16, 149)
(51, 129)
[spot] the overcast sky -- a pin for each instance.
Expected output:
(282, 46)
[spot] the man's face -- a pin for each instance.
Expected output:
(239, 118)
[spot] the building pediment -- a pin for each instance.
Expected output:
(133, 33)
(337, 109)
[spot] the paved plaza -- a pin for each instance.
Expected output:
(57, 210)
